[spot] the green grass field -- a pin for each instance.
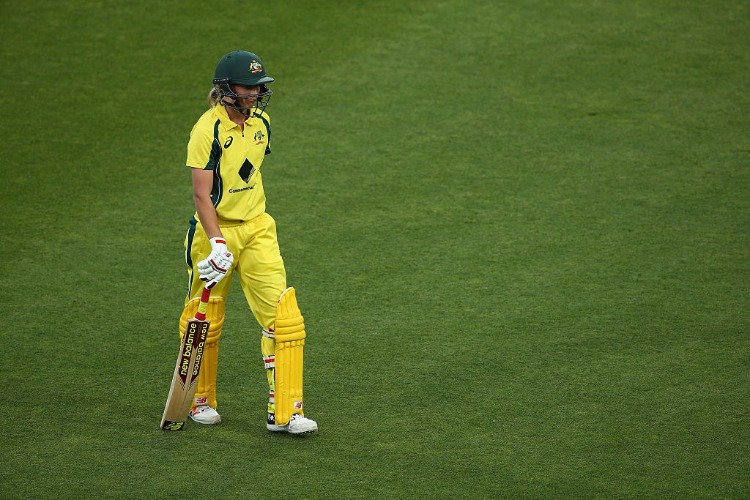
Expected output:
(519, 232)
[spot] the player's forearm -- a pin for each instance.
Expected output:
(207, 216)
(202, 186)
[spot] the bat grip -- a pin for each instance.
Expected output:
(203, 306)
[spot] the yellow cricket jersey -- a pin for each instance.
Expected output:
(235, 156)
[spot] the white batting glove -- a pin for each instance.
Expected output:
(213, 268)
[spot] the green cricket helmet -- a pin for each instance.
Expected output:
(242, 68)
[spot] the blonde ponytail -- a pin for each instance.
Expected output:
(214, 96)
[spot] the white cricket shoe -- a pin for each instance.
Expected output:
(297, 425)
(204, 414)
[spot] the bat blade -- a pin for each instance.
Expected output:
(185, 377)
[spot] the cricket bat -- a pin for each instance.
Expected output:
(185, 378)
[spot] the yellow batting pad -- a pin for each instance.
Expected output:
(290, 341)
(214, 314)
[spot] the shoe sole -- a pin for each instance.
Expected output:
(278, 428)
(306, 431)
(206, 422)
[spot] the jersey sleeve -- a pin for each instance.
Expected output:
(201, 149)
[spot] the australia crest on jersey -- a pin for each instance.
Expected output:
(259, 137)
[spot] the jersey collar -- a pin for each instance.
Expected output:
(226, 122)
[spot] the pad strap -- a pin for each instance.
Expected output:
(268, 361)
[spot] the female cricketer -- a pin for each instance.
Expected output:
(231, 235)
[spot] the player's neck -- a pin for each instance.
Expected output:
(236, 117)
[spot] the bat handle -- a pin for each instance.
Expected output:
(203, 306)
